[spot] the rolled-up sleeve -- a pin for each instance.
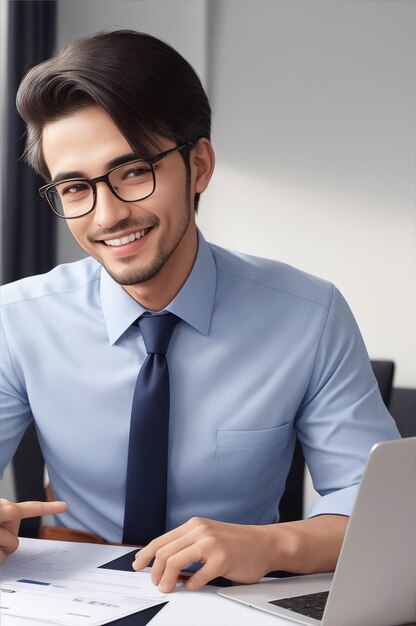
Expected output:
(342, 414)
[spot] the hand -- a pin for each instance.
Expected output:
(12, 513)
(240, 553)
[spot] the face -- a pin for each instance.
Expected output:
(163, 224)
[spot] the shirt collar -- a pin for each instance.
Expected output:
(193, 303)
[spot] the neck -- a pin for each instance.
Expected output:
(155, 294)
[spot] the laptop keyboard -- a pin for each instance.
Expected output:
(311, 605)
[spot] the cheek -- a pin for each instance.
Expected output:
(77, 230)
(171, 195)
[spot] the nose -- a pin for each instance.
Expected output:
(109, 210)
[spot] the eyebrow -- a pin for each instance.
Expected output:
(125, 158)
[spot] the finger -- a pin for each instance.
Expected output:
(167, 552)
(8, 543)
(143, 557)
(175, 564)
(146, 554)
(11, 512)
(213, 567)
(36, 509)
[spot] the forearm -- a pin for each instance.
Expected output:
(307, 546)
(243, 553)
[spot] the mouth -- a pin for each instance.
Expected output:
(126, 246)
(127, 239)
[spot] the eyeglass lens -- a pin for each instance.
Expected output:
(131, 182)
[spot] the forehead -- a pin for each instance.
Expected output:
(84, 141)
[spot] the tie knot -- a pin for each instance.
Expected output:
(157, 331)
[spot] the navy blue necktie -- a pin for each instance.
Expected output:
(147, 466)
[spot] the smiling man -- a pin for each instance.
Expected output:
(183, 448)
(151, 251)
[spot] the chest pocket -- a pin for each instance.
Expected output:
(253, 463)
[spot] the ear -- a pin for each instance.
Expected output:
(202, 159)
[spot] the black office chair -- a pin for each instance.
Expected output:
(384, 373)
(291, 504)
(28, 475)
(403, 408)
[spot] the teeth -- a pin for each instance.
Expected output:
(126, 239)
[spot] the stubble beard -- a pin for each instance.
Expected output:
(136, 276)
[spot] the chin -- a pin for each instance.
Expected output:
(135, 276)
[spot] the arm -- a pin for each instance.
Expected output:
(11, 514)
(243, 553)
(341, 417)
(342, 414)
(15, 416)
(15, 413)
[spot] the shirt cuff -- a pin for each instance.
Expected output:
(340, 502)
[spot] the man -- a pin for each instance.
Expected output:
(119, 127)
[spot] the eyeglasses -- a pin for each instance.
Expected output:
(130, 182)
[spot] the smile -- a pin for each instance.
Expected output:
(127, 239)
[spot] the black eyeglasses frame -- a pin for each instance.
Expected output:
(152, 161)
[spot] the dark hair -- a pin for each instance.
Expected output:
(145, 86)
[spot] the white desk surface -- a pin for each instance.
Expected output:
(194, 608)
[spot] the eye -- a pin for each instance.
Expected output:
(73, 188)
(136, 172)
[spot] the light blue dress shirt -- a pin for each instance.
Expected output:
(264, 351)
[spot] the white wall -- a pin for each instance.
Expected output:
(314, 130)
(314, 126)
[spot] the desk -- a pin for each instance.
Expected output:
(184, 608)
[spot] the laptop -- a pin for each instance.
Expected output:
(374, 583)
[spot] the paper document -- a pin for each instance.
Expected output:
(60, 583)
